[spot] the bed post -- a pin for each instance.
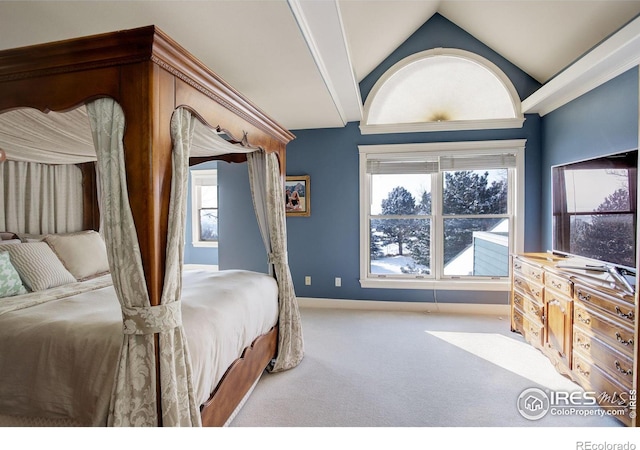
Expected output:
(147, 95)
(90, 208)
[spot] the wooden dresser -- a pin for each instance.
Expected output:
(583, 323)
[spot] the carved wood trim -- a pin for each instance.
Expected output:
(78, 54)
(230, 158)
(238, 379)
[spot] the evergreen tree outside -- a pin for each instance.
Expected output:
(607, 237)
(469, 193)
(420, 247)
(400, 202)
(465, 193)
(208, 224)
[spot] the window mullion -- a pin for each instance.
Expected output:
(437, 238)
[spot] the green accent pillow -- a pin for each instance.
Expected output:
(10, 282)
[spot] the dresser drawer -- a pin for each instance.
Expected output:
(533, 332)
(560, 284)
(517, 299)
(517, 321)
(610, 394)
(616, 335)
(530, 330)
(528, 271)
(528, 287)
(616, 364)
(529, 307)
(616, 307)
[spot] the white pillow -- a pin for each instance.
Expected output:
(10, 241)
(38, 266)
(6, 245)
(84, 254)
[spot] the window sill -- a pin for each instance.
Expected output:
(447, 284)
(204, 244)
(452, 125)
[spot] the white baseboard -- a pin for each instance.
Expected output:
(200, 266)
(447, 308)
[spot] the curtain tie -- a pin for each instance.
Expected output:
(151, 319)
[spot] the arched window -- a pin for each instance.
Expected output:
(442, 89)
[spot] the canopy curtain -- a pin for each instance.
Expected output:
(268, 200)
(133, 401)
(40, 198)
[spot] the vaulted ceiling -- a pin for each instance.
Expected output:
(300, 60)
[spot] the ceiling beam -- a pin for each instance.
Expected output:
(612, 57)
(321, 25)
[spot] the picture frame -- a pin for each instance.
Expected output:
(297, 196)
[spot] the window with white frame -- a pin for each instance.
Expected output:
(440, 215)
(204, 208)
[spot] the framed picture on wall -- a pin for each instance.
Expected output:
(297, 196)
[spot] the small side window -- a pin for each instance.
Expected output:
(204, 207)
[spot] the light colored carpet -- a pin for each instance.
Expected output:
(407, 369)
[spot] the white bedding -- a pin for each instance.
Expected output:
(58, 353)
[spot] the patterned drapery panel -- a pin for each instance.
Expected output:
(268, 199)
(134, 401)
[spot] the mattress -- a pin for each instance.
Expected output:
(59, 349)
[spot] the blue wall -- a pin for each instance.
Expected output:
(240, 246)
(602, 121)
(326, 245)
(440, 32)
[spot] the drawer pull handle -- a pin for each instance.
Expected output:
(534, 332)
(622, 341)
(582, 371)
(629, 315)
(583, 320)
(517, 266)
(517, 300)
(537, 276)
(583, 297)
(623, 371)
(517, 281)
(556, 302)
(534, 310)
(556, 285)
(584, 345)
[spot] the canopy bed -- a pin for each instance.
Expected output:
(140, 108)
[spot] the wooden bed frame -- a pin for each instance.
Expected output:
(149, 75)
